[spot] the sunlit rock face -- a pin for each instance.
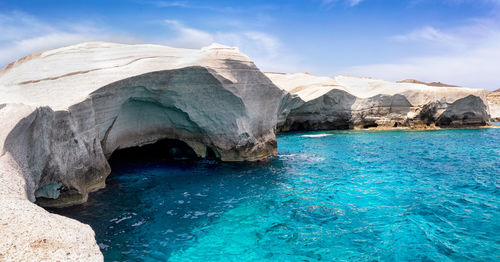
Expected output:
(65, 111)
(83, 102)
(494, 103)
(343, 102)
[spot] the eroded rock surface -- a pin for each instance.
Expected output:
(88, 100)
(30, 233)
(320, 103)
(65, 111)
(494, 103)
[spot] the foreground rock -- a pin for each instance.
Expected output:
(29, 233)
(351, 102)
(65, 111)
(494, 103)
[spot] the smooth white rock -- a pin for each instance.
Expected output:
(494, 103)
(64, 111)
(356, 102)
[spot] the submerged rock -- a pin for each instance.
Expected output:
(65, 111)
(319, 103)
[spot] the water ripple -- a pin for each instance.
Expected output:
(349, 196)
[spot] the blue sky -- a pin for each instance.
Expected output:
(453, 41)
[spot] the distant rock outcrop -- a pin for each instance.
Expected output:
(413, 81)
(65, 111)
(352, 102)
(494, 103)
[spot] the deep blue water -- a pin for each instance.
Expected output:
(340, 195)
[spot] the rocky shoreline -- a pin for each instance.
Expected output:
(65, 112)
(344, 102)
(494, 104)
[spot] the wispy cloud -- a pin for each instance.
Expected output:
(427, 33)
(350, 3)
(465, 55)
(171, 4)
(267, 51)
(187, 37)
(432, 37)
(458, 2)
(22, 34)
(190, 5)
(470, 58)
(354, 2)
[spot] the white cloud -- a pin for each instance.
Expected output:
(458, 2)
(22, 34)
(188, 37)
(171, 4)
(188, 5)
(468, 55)
(432, 37)
(354, 2)
(264, 49)
(471, 57)
(350, 3)
(427, 33)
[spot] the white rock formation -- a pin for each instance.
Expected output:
(64, 111)
(29, 233)
(347, 102)
(494, 103)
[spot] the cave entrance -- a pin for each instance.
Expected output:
(162, 150)
(370, 125)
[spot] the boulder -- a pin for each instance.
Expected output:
(344, 102)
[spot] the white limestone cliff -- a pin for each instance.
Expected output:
(65, 111)
(494, 103)
(346, 102)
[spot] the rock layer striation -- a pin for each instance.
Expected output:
(65, 111)
(343, 102)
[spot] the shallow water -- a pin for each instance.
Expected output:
(343, 195)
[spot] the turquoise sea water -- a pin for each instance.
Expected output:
(340, 195)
